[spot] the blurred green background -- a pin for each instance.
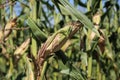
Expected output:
(26, 24)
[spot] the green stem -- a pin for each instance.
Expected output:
(88, 5)
(34, 11)
(98, 72)
(43, 70)
(11, 11)
(89, 67)
(33, 14)
(103, 77)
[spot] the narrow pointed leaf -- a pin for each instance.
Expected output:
(79, 15)
(35, 30)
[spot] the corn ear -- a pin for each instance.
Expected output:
(61, 36)
(56, 41)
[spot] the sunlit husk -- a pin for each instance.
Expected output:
(22, 48)
(1, 35)
(60, 38)
(8, 28)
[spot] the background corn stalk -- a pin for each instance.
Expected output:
(92, 53)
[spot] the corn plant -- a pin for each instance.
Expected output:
(59, 39)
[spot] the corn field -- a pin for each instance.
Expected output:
(59, 39)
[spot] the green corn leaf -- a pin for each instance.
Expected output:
(35, 30)
(79, 15)
(73, 73)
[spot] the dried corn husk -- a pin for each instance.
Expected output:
(22, 48)
(8, 28)
(56, 41)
